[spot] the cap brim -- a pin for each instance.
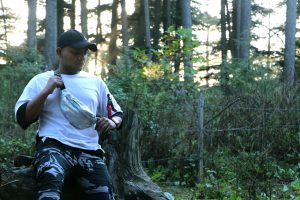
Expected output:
(85, 44)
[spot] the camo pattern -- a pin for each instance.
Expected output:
(53, 163)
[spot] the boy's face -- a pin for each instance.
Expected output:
(71, 60)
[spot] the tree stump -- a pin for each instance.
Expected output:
(123, 160)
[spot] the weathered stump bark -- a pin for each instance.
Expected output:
(129, 178)
(124, 162)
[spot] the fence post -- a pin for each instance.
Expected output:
(200, 137)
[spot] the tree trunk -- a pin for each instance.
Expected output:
(125, 34)
(157, 21)
(290, 42)
(230, 31)
(187, 23)
(51, 33)
(124, 163)
(224, 46)
(223, 31)
(147, 28)
(84, 26)
(31, 31)
(186, 13)
(269, 37)
(4, 24)
(237, 27)
(99, 37)
(178, 23)
(242, 26)
(83, 18)
(72, 14)
(245, 30)
(98, 32)
(60, 16)
(128, 175)
(113, 51)
(166, 15)
(139, 27)
(207, 53)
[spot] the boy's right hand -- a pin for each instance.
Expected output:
(53, 82)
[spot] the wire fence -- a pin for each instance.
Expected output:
(261, 125)
(171, 131)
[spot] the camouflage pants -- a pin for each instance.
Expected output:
(54, 162)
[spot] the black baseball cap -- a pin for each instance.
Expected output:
(75, 39)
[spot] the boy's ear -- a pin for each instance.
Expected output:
(58, 50)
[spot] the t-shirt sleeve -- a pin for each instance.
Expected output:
(29, 92)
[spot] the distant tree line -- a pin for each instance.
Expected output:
(148, 24)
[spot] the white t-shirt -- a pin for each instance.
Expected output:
(90, 90)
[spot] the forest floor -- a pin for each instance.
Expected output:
(180, 192)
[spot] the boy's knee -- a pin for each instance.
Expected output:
(48, 165)
(48, 195)
(50, 170)
(50, 181)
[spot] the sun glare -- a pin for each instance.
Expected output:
(18, 35)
